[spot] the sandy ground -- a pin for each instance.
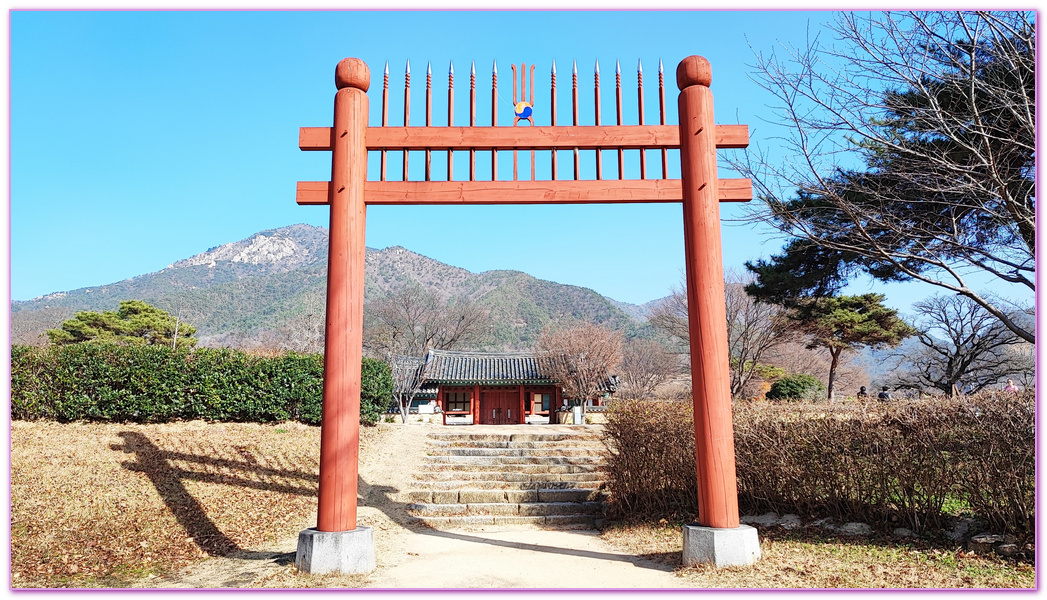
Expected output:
(413, 556)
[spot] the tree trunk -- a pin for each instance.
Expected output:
(835, 353)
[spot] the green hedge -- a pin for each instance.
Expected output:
(155, 384)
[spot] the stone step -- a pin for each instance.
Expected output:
(509, 468)
(510, 477)
(572, 452)
(523, 509)
(547, 521)
(497, 483)
(595, 444)
(513, 460)
(490, 496)
(515, 437)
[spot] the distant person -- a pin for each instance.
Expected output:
(862, 394)
(884, 395)
(1010, 387)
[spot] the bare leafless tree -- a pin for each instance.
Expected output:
(646, 364)
(940, 108)
(753, 328)
(582, 358)
(409, 373)
(670, 317)
(961, 346)
(413, 321)
(403, 327)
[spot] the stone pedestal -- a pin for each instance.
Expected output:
(735, 547)
(346, 552)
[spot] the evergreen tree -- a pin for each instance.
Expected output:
(840, 323)
(135, 323)
(938, 109)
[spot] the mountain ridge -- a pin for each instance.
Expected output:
(263, 288)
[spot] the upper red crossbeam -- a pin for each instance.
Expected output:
(628, 137)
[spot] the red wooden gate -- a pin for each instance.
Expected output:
(700, 191)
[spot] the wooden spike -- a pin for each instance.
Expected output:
(385, 118)
(472, 117)
(450, 117)
(574, 106)
(407, 109)
(599, 157)
(494, 117)
(661, 113)
(428, 116)
(552, 113)
(618, 110)
(639, 110)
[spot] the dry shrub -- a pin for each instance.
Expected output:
(906, 464)
(651, 468)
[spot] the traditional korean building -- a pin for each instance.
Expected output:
(492, 388)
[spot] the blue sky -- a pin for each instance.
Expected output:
(141, 138)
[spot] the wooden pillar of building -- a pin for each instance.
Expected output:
(340, 428)
(475, 406)
(713, 428)
(523, 407)
(557, 401)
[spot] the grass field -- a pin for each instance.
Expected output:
(112, 505)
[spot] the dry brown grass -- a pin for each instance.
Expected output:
(808, 559)
(104, 505)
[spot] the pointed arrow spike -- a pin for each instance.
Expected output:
(428, 68)
(617, 68)
(386, 67)
(639, 66)
(574, 68)
(494, 67)
(660, 69)
(472, 68)
(408, 66)
(451, 67)
(597, 66)
(554, 66)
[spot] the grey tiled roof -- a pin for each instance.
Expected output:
(451, 367)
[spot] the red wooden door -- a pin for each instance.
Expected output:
(499, 407)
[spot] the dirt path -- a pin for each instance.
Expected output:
(413, 556)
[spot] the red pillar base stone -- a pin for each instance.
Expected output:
(345, 552)
(732, 547)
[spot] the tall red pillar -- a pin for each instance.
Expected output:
(343, 347)
(710, 369)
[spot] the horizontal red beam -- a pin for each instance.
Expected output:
(523, 138)
(524, 192)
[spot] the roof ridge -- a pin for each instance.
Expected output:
(479, 353)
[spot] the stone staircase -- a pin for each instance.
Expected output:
(540, 479)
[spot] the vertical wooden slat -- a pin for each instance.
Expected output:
(596, 88)
(618, 107)
(552, 115)
(472, 117)
(532, 118)
(407, 108)
(428, 116)
(639, 110)
(385, 115)
(661, 112)
(494, 117)
(574, 107)
(522, 93)
(450, 117)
